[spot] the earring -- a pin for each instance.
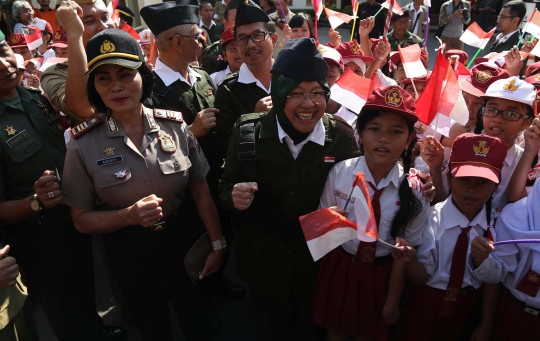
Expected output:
(405, 154)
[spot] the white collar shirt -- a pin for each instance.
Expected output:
(245, 76)
(501, 39)
(169, 76)
(415, 13)
(317, 136)
(510, 163)
(440, 235)
(337, 189)
(212, 23)
(218, 76)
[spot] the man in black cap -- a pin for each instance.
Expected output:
(126, 15)
(400, 35)
(248, 90)
(207, 23)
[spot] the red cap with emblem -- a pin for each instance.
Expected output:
(227, 35)
(483, 75)
(351, 50)
(395, 58)
(59, 39)
(17, 40)
(423, 79)
(463, 56)
(478, 155)
(392, 98)
(532, 69)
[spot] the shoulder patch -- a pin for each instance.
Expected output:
(82, 128)
(169, 115)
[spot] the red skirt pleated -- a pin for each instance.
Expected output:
(339, 304)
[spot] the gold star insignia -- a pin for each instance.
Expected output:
(10, 131)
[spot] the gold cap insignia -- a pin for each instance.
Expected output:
(107, 47)
(510, 86)
(481, 149)
(57, 36)
(483, 76)
(146, 36)
(451, 294)
(393, 97)
(232, 30)
(109, 151)
(14, 39)
(533, 277)
(10, 130)
(355, 48)
(537, 78)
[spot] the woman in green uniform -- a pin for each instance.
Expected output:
(126, 172)
(275, 170)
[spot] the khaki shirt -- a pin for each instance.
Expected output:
(104, 164)
(11, 302)
(281, 35)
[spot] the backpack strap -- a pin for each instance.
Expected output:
(246, 151)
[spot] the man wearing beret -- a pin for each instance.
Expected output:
(126, 15)
(248, 90)
(64, 83)
(400, 35)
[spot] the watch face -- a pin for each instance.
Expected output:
(34, 204)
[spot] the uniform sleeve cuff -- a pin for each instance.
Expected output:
(72, 200)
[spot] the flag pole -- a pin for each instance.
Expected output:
(472, 60)
(415, 92)
(355, 13)
(350, 193)
(388, 20)
(283, 12)
(427, 27)
(316, 28)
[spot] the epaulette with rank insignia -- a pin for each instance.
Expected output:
(169, 115)
(82, 128)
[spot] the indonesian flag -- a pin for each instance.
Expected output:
(32, 36)
(337, 18)
(412, 64)
(50, 62)
(475, 36)
(533, 25)
(499, 57)
(396, 8)
(113, 13)
(366, 225)
(427, 3)
(131, 31)
(462, 72)
(324, 230)
(442, 104)
(351, 91)
(318, 7)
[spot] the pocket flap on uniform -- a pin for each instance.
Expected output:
(22, 146)
(175, 164)
(110, 176)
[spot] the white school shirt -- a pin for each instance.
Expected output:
(441, 233)
(218, 76)
(169, 76)
(510, 163)
(317, 135)
(510, 263)
(337, 189)
(245, 76)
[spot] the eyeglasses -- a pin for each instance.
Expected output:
(255, 37)
(232, 49)
(507, 115)
(315, 96)
(197, 37)
(502, 17)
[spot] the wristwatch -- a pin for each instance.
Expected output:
(34, 203)
(219, 244)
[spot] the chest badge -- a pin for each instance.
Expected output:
(109, 151)
(121, 174)
(167, 143)
(10, 131)
(111, 123)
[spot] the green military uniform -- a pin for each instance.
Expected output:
(407, 40)
(214, 32)
(234, 99)
(57, 257)
(213, 58)
(272, 255)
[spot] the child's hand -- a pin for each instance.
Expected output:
(340, 211)
(287, 32)
(532, 136)
(404, 252)
(432, 152)
(382, 50)
(334, 37)
(366, 25)
(480, 249)
(390, 315)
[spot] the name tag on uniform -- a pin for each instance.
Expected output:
(109, 161)
(15, 140)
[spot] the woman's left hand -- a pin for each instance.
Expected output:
(213, 263)
(287, 32)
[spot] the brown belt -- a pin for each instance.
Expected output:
(377, 261)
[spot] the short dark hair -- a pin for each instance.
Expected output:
(517, 8)
(95, 99)
(205, 3)
(299, 19)
(395, 16)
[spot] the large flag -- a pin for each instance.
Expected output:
(317, 7)
(32, 36)
(324, 230)
(131, 31)
(475, 36)
(366, 225)
(113, 13)
(50, 62)
(351, 91)
(410, 56)
(442, 104)
(337, 18)
(395, 6)
(533, 25)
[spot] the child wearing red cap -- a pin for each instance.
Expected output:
(447, 287)
(359, 287)
(230, 55)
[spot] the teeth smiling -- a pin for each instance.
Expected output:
(305, 116)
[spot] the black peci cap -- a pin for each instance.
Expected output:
(125, 12)
(248, 12)
(395, 16)
(300, 59)
(113, 46)
(160, 17)
(233, 4)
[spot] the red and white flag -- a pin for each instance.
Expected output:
(366, 224)
(351, 91)
(131, 31)
(32, 36)
(113, 13)
(324, 230)
(475, 36)
(442, 104)
(533, 25)
(412, 64)
(50, 62)
(337, 18)
(395, 6)
(317, 7)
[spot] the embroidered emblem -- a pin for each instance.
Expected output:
(533, 277)
(107, 47)
(481, 149)
(109, 151)
(111, 124)
(483, 76)
(10, 131)
(57, 36)
(146, 36)
(393, 97)
(151, 122)
(167, 143)
(121, 174)
(330, 159)
(232, 30)
(451, 294)
(355, 48)
(368, 254)
(510, 86)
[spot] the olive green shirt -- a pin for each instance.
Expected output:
(213, 58)
(104, 164)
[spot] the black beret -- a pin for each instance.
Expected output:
(125, 11)
(300, 59)
(396, 16)
(233, 4)
(248, 12)
(187, 3)
(113, 46)
(160, 17)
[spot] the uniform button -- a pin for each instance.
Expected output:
(292, 193)
(113, 178)
(147, 182)
(27, 150)
(176, 164)
(294, 167)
